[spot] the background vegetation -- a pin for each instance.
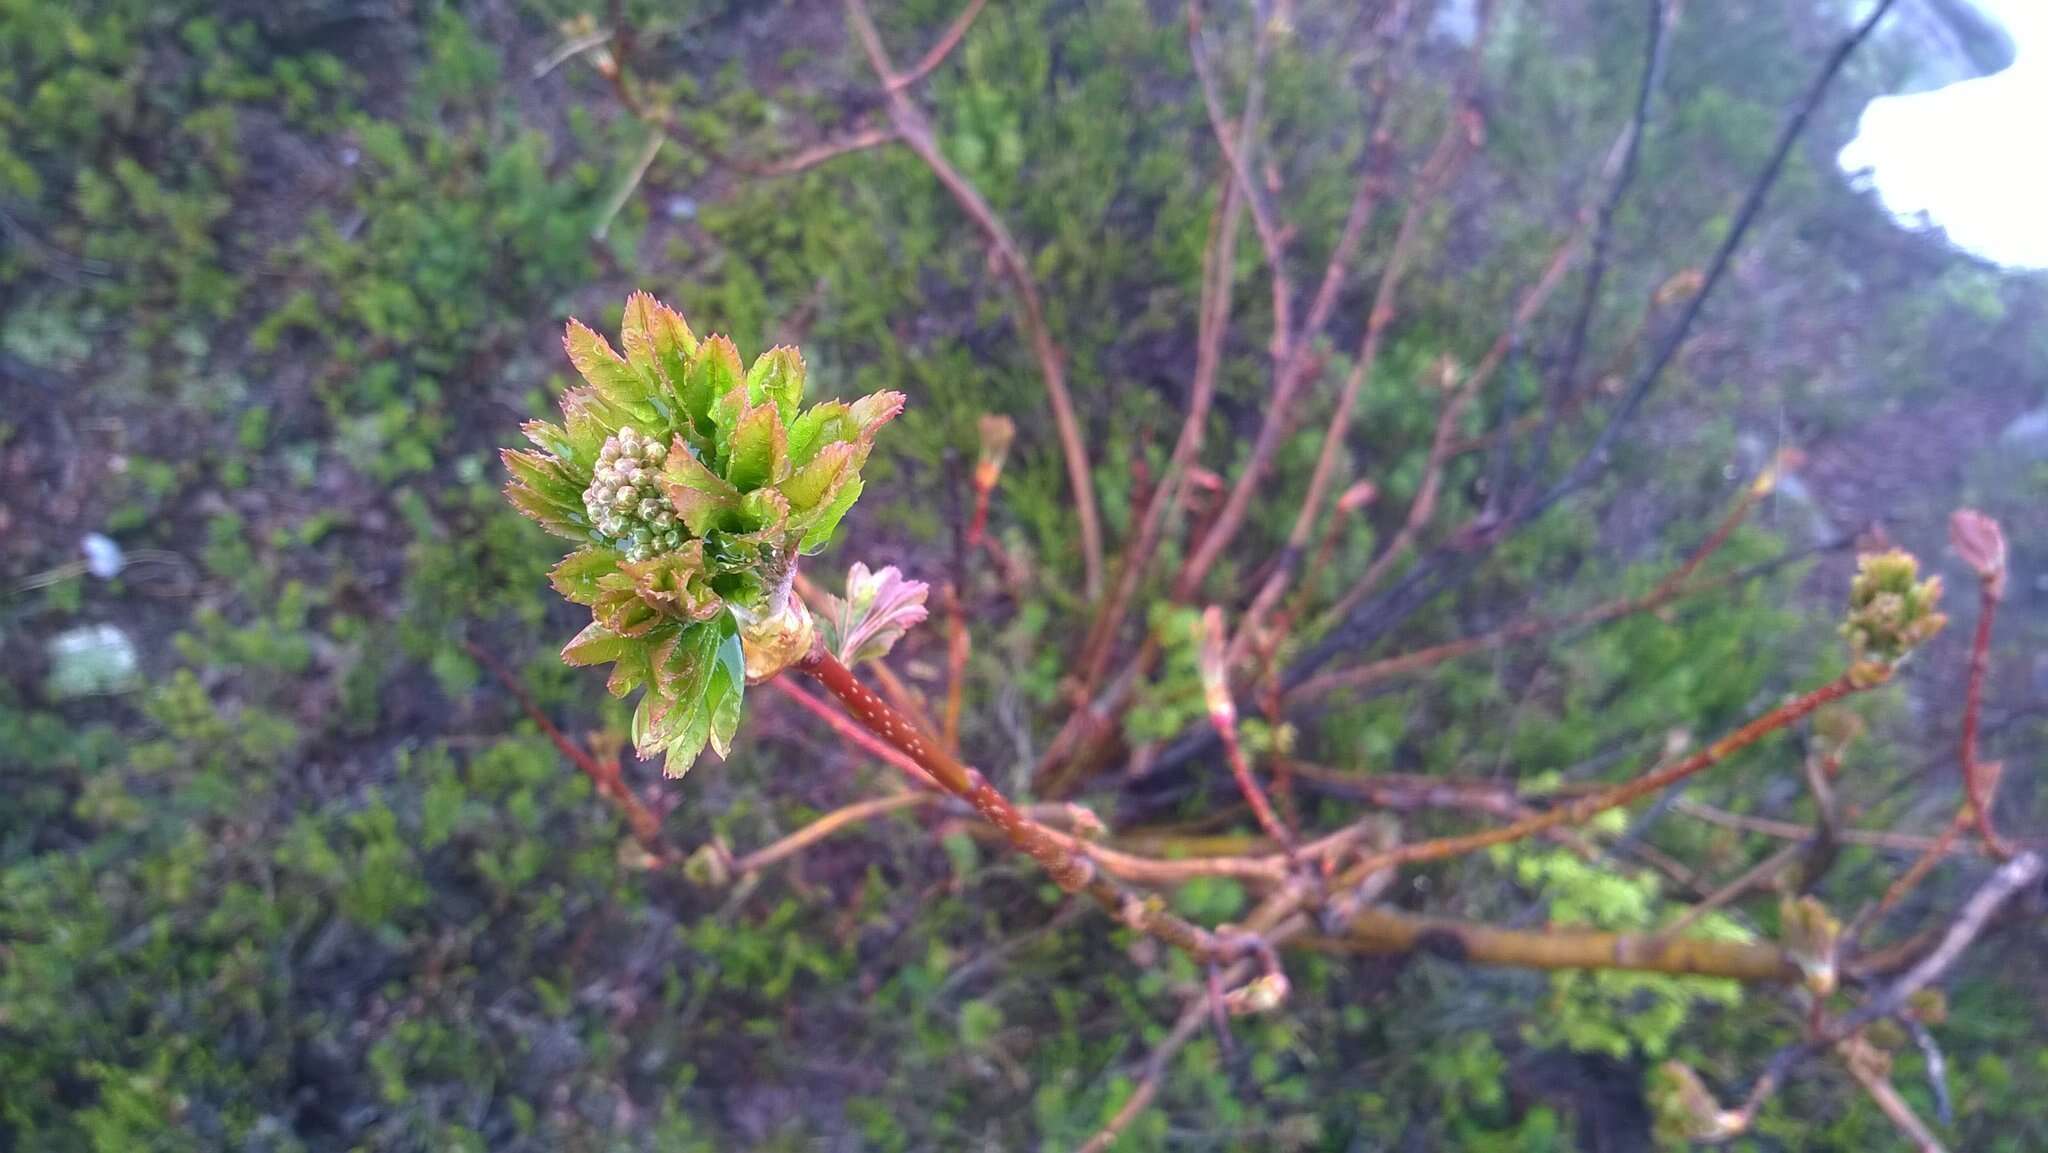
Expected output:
(278, 279)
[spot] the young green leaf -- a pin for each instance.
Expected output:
(760, 453)
(608, 372)
(777, 378)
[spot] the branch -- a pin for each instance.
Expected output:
(1675, 584)
(1375, 618)
(853, 733)
(1384, 931)
(912, 128)
(1646, 380)
(1583, 809)
(606, 777)
(2016, 874)
(940, 50)
(1623, 160)
(858, 140)
(1070, 870)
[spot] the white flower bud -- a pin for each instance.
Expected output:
(624, 502)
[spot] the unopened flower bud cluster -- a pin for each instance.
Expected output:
(625, 500)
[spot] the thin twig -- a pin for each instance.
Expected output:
(1156, 1065)
(1595, 457)
(1583, 809)
(2010, 878)
(1787, 830)
(1673, 585)
(1762, 873)
(1887, 1098)
(1623, 160)
(1981, 543)
(1375, 618)
(1212, 321)
(1215, 672)
(1935, 853)
(943, 48)
(827, 825)
(607, 778)
(915, 132)
(1450, 149)
(1303, 363)
(1937, 1069)
(1423, 507)
(656, 137)
(859, 140)
(570, 49)
(1239, 158)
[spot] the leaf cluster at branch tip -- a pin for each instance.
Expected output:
(692, 485)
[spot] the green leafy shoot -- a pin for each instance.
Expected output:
(691, 486)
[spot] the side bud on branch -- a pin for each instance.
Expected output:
(1891, 610)
(1980, 543)
(1686, 1111)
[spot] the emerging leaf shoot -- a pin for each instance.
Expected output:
(691, 485)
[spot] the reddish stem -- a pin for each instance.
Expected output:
(958, 645)
(1583, 809)
(607, 778)
(1978, 778)
(853, 733)
(979, 524)
(1067, 867)
(1269, 822)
